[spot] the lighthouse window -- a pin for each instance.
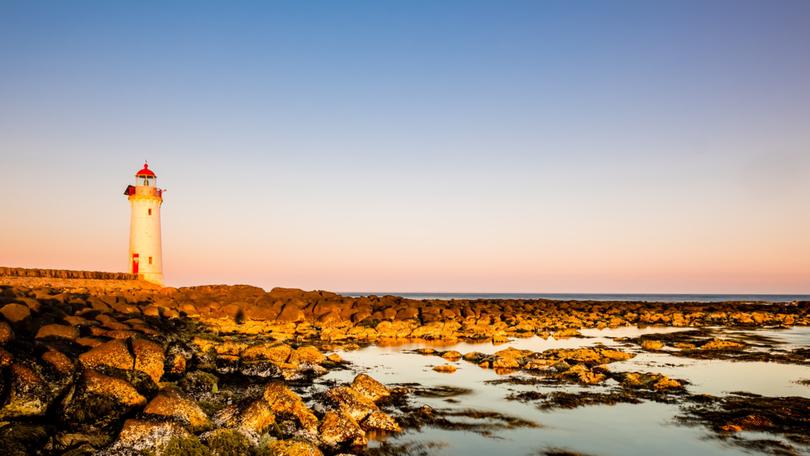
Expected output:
(150, 212)
(150, 260)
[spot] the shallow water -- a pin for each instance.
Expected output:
(622, 429)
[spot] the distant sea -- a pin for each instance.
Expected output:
(598, 296)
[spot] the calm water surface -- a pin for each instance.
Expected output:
(665, 297)
(624, 429)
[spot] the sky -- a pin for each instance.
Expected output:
(455, 146)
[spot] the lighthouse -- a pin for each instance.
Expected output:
(145, 251)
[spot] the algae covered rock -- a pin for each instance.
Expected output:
(351, 402)
(337, 429)
(370, 388)
(380, 421)
(282, 400)
(172, 404)
(29, 395)
(99, 400)
(149, 358)
(146, 435)
(294, 448)
(114, 353)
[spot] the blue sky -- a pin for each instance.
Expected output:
(416, 146)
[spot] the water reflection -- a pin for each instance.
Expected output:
(623, 429)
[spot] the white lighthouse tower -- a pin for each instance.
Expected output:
(145, 251)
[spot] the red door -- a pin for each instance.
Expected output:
(135, 261)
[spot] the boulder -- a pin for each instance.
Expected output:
(6, 333)
(445, 368)
(172, 404)
(277, 353)
(370, 388)
(294, 448)
(28, 394)
(451, 355)
(59, 362)
(99, 400)
(15, 313)
(149, 436)
(337, 429)
(307, 354)
(582, 374)
(648, 381)
(380, 421)
(349, 401)
(55, 331)
(652, 345)
(282, 400)
(252, 419)
(149, 358)
(113, 354)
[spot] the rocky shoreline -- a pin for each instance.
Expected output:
(230, 369)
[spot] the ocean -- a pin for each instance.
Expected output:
(664, 297)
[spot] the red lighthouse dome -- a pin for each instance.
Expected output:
(145, 172)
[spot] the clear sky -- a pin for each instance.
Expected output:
(496, 146)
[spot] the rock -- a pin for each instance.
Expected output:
(294, 448)
(351, 402)
(170, 403)
(111, 354)
(334, 357)
(307, 354)
(370, 388)
(474, 357)
(445, 368)
(500, 362)
(99, 400)
(149, 358)
(451, 355)
(652, 345)
(590, 356)
(28, 395)
(59, 361)
(720, 344)
(57, 332)
(337, 429)
(539, 364)
(253, 419)
(143, 435)
(6, 334)
(259, 368)
(567, 333)
(282, 400)
(199, 384)
(667, 383)
(32, 304)
(277, 353)
(15, 313)
(583, 375)
(648, 381)
(380, 421)
(90, 342)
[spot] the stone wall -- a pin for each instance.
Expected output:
(61, 278)
(65, 274)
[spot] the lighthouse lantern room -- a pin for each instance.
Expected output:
(145, 250)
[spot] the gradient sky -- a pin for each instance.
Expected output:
(497, 146)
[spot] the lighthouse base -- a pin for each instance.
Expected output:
(152, 277)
